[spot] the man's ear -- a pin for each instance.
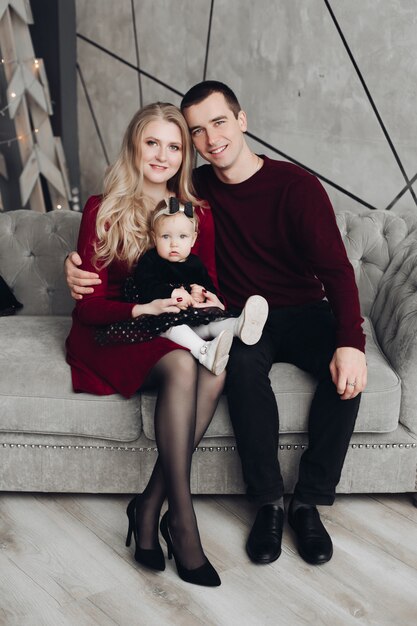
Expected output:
(243, 122)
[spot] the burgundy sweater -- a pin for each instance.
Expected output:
(276, 235)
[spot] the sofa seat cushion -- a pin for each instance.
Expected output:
(294, 389)
(36, 393)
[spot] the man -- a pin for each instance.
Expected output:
(276, 236)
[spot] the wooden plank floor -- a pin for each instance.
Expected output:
(63, 561)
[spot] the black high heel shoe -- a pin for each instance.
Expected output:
(152, 558)
(204, 575)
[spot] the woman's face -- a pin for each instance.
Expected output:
(161, 152)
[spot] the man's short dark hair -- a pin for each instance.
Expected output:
(201, 91)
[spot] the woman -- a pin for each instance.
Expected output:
(155, 163)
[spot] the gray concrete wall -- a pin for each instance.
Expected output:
(330, 84)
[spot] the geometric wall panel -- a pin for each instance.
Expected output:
(324, 83)
(385, 44)
(174, 49)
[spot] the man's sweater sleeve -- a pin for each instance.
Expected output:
(314, 226)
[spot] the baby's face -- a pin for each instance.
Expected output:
(174, 237)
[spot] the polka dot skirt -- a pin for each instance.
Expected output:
(147, 327)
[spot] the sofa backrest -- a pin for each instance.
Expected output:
(370, 240)
(33, 247)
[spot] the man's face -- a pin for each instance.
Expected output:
(215, 131)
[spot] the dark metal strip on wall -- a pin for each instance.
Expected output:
(309, 169)
(208, 40)
(135, 34)
(93, 115)
(371, 101)
(402, 192)
(274, 149)
(128, 64)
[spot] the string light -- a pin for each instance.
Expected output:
(28, 60)
(14, 95)
(32, 60)
(26, 66)
(18, 138)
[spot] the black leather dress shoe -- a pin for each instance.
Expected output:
(264, 541)
(313, 540)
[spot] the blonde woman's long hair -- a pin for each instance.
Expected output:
(122, 223)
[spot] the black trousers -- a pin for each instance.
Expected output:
(305, 337)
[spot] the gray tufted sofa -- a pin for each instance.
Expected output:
(52, 439)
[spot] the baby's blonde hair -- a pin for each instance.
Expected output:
(162, 211)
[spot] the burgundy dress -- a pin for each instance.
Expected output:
(108, 369)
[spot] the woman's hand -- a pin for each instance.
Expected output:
(156, 307)
(79, 281)
(211, 300)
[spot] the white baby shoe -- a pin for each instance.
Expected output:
(250, 323)
(214, 354)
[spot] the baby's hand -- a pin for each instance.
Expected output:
(211, 300)
(184, 299)
(156, 307)
(198, 293)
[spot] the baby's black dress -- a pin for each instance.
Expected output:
(155, 278)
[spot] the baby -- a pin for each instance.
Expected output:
(170, 271)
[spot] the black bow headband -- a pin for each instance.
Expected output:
(175, 205)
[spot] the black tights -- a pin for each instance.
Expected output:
(187, 398)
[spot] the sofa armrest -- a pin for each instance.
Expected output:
(394, 316)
